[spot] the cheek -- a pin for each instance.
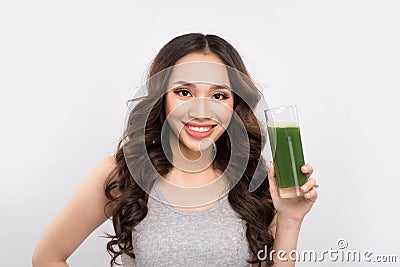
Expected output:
(225, 113)
(226, 117)
(171, 104)
(174, 108)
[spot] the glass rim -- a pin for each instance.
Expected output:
(281, 107)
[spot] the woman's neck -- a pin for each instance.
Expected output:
(192, 181)
(189, 161)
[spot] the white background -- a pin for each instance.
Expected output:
(67, 69)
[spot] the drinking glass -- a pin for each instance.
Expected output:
(287, 150)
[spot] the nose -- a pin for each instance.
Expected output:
(199, 108)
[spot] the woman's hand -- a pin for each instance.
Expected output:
(294, 209)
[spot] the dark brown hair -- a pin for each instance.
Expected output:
(142, 138)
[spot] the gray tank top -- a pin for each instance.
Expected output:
(171, 237)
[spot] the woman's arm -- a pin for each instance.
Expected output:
(83, 214)
(286, 236)
(290, 214)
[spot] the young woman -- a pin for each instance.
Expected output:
(177, 188)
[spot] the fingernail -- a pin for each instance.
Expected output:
(307, 195)
(304, 168)
(304, 188)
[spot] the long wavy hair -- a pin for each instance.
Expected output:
(140, 149)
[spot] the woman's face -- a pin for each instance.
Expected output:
(199, 102)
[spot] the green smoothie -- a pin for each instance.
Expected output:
(288, 155)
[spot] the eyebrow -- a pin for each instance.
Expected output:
(213, 87)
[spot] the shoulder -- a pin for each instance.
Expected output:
(102, 170)
(99, 173)
(98, 176)
(92, 189)
(108, 163)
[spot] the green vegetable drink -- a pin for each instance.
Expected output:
(287, 150)
(288, 158)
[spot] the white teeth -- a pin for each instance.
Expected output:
(199, 129)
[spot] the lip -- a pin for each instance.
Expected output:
(198, 134)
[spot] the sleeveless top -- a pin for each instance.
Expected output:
(171, 237)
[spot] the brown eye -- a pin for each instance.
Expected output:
(183, 92)
(220, 96)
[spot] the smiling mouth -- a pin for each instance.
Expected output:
(199, 130)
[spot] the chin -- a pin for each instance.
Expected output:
(197, 145)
